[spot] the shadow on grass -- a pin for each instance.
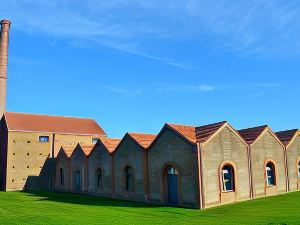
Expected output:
(84, 199)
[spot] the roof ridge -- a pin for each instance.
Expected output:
(39, 114)
(254, 127)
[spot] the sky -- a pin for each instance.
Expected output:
(134, 65)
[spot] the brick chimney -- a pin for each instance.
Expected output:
(5, 25)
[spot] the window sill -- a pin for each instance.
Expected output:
(228, 191)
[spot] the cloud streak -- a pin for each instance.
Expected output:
(258, 89)
(152, 29)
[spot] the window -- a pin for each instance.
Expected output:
(62, 179)
(270, 174)
(227, 178)
(128, 179)
(99, 180)
(172, 171)
(43, 138)
(299, 170)
(95, 140)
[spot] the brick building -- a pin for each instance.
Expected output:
(29, 141)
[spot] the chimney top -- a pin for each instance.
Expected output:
(5, 23)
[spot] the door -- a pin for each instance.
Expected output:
(77, 181)
(172, 181)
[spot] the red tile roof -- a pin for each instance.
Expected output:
(189, 132)
(143, 140)
(87, 149)
(68, 150)
(251, 134)
(52, 124)
(110, 143)
(197, 133)
(286, 136)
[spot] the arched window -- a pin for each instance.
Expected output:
(298, 170)
(62, 179)
(99, 179)
(227, 178)
(128, 179)
(270, 174)
(172, 180)
(172, 171)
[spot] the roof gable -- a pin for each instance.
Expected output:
(287, 136)
(78, 149)
(186, 131)
(144, 140)
(250, 135)
(67, 150)
(203, 133)
(110, 143)
(52, 124)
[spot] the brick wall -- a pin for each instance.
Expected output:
(171, 149)
(100, 159)
(129, 154)
(225, 147)
(293, 157)
(267, 148)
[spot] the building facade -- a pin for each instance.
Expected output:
(30, 142)
(193, 166)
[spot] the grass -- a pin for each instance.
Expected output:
(64, 208)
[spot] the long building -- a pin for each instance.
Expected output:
(190, 166)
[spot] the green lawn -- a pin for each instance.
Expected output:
(61, 208)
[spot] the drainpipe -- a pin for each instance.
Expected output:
(250, 171)
(200, 175)
(286, 170)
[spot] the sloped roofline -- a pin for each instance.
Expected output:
(78, 146)
(297, 133)
(226, 124)
(100, 142)
(167, 126)
(267, 129)
(53, 132)
(62, 151)
(293, 139)
(127, 135)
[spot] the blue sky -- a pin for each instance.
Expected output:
(135, 64)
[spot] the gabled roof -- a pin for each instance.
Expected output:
(287, 136)
(110, 143)
(68, 150)
(144, 140)
(197, 133)
(251, 134)
(86, 148)
(52, 124)
(188, 132)
(203, 133)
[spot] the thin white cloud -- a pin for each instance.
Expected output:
(258, 89)
(259, 28)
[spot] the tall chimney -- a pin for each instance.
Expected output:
(5, 25)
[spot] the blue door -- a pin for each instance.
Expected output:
(172, 180)
(77, 181)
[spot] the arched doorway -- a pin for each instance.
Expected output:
(129, 179)
(77, 180)
(172, 182)
(99, 176)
